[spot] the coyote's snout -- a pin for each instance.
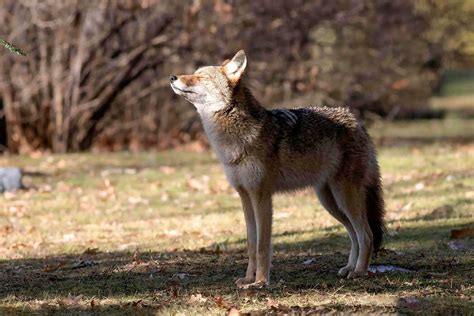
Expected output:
(267, 151)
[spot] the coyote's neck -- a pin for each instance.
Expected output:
(237, 125)
(243, 116)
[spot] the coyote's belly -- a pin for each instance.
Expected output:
(282, 173)
(299, 172)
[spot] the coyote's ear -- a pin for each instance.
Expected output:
(225, 62)
(236, 66)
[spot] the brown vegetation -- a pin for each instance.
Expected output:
(96, 72)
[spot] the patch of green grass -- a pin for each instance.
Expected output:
(458, 82)
(424, 132)
(164, 233)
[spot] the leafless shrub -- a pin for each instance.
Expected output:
(96, 71)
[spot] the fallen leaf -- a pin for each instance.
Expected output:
(400, 84)
(450, 178)
(167, 169)
(419, 186)
(201, 185)
(307, 262)
(45, 188)
(274, 305)
(7, 229)
(173, 291)
(9, 195)
(271, 303)
(461, 233)
(69, 237)
(72, 300)
(281, 215)
(197, 299)
(19, 245)
(135, 200)
(219, 300)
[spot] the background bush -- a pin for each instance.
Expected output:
(96, 74)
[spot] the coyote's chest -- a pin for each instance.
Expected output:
(242, 167)
(247, 174)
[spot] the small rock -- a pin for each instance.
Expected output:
(458, 245)
(10, 179)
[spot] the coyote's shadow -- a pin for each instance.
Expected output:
(175, 273)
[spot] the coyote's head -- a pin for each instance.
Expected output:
(210, 88)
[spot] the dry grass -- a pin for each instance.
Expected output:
(164, 233)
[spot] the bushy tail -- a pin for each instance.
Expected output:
(375, 213)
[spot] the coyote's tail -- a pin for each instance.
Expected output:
(375, 212)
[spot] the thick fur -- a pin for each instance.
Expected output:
(375, 213)
(268, 151)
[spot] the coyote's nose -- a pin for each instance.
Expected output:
(173, 78)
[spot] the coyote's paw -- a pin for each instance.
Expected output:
(255, 285)
(344, 271)
(357, 274)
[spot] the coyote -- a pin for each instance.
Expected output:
(268, 151)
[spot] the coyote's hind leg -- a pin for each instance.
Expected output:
(329, 203)
(350, 197)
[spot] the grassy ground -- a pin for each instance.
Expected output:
(164, 233)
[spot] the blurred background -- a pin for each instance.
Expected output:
(132, 230)
(96, 72)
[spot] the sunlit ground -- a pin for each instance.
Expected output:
(164, 232)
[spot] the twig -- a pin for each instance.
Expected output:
(12, 48)
(337, 290)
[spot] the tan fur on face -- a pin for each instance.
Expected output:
(190, 80)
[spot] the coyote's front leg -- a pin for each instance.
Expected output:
(251, 239)
(262, 206)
